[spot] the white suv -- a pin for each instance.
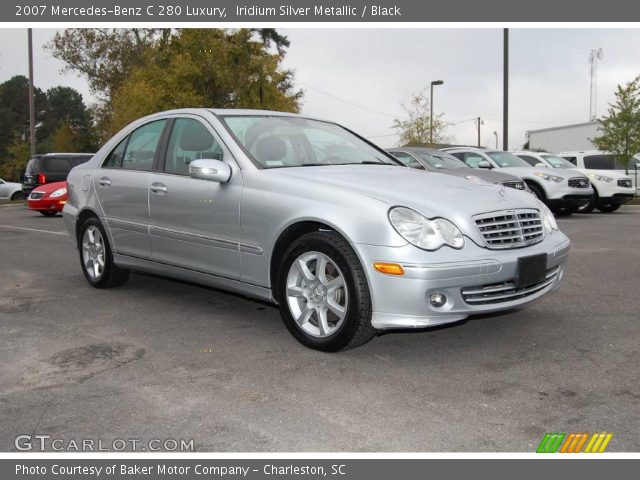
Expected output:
(564, 191)
(612, 186)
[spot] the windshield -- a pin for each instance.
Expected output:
(506, 159)
(558, 162)
(442, 160)
(275, 142)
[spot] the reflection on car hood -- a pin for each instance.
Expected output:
(432, 194)
(484, 174)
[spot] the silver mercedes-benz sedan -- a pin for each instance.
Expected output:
(307, 215)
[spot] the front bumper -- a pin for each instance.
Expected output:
(403, 301)
(46, 204)
(617, 199)
(564, 196)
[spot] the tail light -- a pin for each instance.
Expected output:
(42, 178)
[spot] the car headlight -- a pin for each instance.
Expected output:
(425, 233)
(549, 178)
(58, 193)
(548, 220)
(601, 178)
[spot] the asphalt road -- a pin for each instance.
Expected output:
(163, 359)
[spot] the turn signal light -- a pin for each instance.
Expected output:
(389, 268)
(42, 178)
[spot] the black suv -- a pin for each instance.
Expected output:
(50, 167)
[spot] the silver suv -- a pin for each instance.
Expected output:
(306, 214)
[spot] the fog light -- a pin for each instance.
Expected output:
(437, 299)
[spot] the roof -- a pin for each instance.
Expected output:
(561, 127)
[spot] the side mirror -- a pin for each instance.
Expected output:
(484, 164)
(542, 165)
(209, 169)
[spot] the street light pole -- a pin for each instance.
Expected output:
(435, 82)
(505, 98)
(32, 107)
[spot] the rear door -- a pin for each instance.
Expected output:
(195, 223)
(122, 186)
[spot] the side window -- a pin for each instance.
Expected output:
(142, 146)
(114, 160)
(600, 162)
(571, 159)
(530, 160)
(473, 159)
(190, 140)
(407, 160)
(458, 155)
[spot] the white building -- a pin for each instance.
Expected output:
(564, 138)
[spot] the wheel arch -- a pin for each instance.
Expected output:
(287, 236)
(536, 184)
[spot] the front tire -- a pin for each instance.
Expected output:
(96, 257)
(608, 208)
(588, 207)
(323, 293)
(18, 196)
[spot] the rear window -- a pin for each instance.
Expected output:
(600, 162)
(55, 164)
(75, 161)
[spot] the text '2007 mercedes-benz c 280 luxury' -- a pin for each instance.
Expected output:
(307, 215)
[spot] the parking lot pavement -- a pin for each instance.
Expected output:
(163, 359)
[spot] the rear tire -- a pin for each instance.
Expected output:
(96, 257)
(323, 293)
(47, 213)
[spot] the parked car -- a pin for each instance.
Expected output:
(564, 191)
(10, 190)
(613, 187)
(434, 160)
(48, 199)
(603, 186)
(310, 216)
(50, 167)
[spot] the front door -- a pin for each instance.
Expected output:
(195, 223)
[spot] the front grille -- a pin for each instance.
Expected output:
(36, 195)
(624, 182)
(510, 228)
(579, 182)
(518, 185)
(505, 291)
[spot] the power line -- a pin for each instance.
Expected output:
(346, 101)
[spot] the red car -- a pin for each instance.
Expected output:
(48, 199)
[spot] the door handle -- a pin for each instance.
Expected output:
(104, 182)
(158, 188)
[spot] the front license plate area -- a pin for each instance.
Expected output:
(531, 270)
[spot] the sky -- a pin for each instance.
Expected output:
(361, 77)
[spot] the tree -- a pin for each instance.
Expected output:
(414, 130)
(66, 110)
(14, 163)
(136, 72)
(14, 110)
(621, 126)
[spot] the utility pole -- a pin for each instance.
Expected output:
(495, 134)
(594, 57)
(32, 106)
(479, 131)
(505, 98)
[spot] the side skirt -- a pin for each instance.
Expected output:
(187, 275)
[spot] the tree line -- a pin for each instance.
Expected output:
(135, 72)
